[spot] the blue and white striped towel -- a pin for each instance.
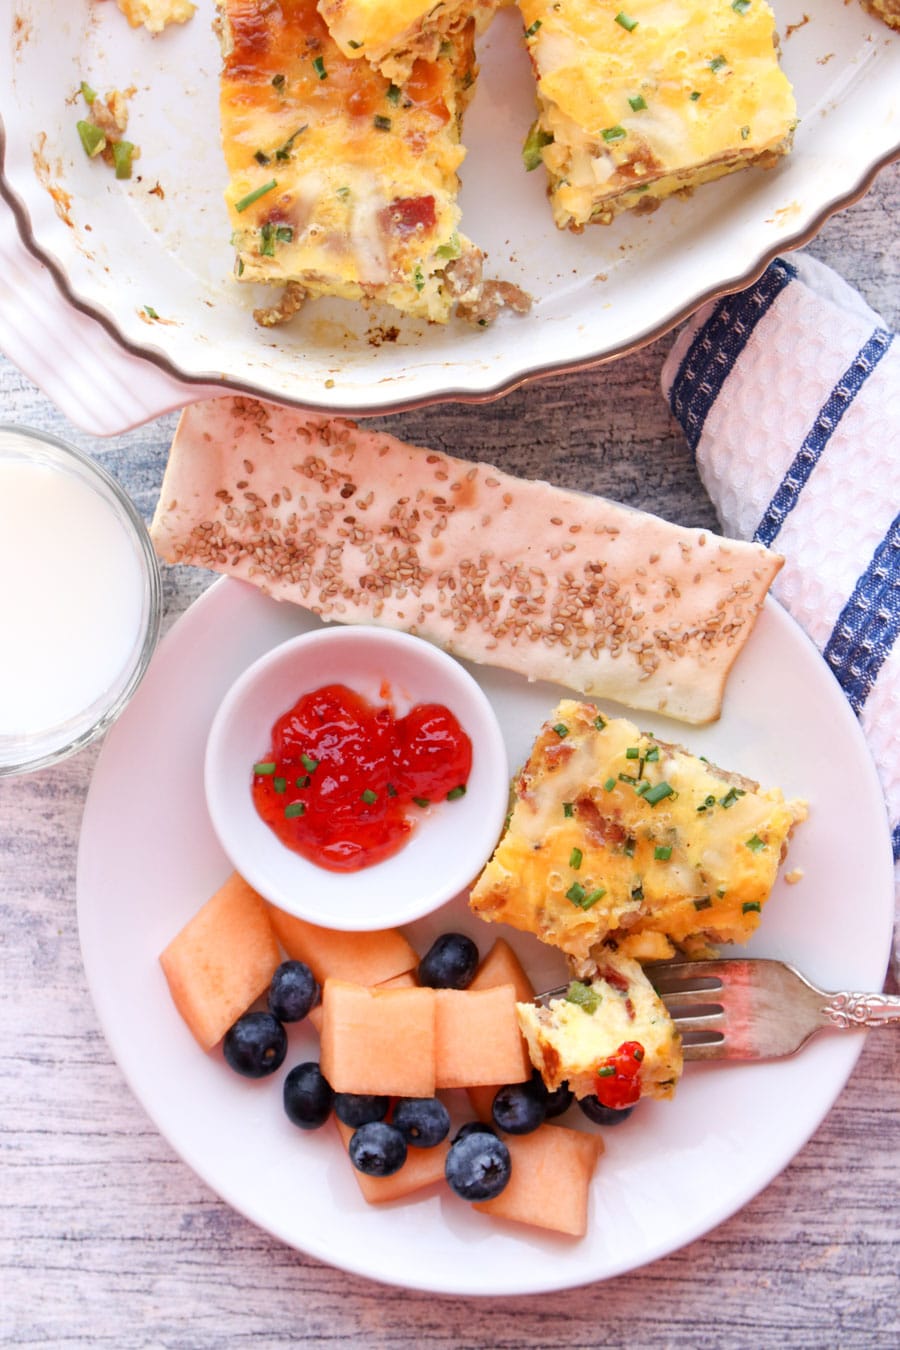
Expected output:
(789, 395)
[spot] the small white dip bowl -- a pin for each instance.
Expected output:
(450, 841)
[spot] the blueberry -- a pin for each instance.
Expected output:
(256, 1045)
(308, 1097)
(293, 991)
(472, 1127)
(423, 1121)
(377, 1149)
(555, 1102)
(449, 963)
(356, 1108)
(519, 1108)
(604, 1115)
(478, 1167)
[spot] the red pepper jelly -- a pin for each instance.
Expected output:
(342, 775)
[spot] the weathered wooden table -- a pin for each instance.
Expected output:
(107, 1239)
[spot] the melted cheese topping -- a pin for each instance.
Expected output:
(678, 93)
(566, 1042)
(357, 178)
(390, 34)
(615, 834)
(155, 14)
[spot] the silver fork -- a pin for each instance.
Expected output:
(755, 1009)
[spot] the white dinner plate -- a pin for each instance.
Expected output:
(162, 239)
(149, 858)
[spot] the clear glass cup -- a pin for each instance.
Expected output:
(80, 599)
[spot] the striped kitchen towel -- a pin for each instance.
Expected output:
(789, 395)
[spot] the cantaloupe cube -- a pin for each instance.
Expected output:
(482, 1100)
(423, 1166)
(378, 1040)
(550, 1179)
(477, 1038)
(405, 981)
(360, 958)
(221, 961)
(502, 966)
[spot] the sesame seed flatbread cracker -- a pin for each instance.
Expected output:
(361, 528)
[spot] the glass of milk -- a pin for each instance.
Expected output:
(80, 599)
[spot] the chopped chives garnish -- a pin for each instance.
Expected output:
(368, 796)
(594, 896)
(535, 141)
(255, 195)
(319, 68)
(707, 803)
(717, 63)
(720, 892)
(658, 792)
(652, 754)
(703, 903)
(575, 858)
(561, 729)
(294, 809)
(642, 787)
(627, 778)
(745, 132)
(611, 134)
(606, 1071)
(730, 797)
(740, 6)
(278, 82)
(279, 784)
(638, 103)
(625, 21)
(628, 846)
(393, 93)
(309, 764)
(754, 843)
(382, 123)
(662, 852)
(599, 722)
(284, 151)
(391, 790)
(266, 766)
(150, 312)
(92, 138)
(267, 240)
(576, 893)
(422, 801)
(632, 752)
(418, 278)
(452, 248)
(609, 784)
(455, 793)
(303, 781)
(530, 32)
(87, 93)
(583, 995)
(354, 46)
(751, 907)
(123, 153)
(262, 158)
(694, 96)
(637, 892)
(568, 809)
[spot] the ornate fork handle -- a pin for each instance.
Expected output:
(862, 1010)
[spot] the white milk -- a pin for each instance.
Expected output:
(71, 597)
